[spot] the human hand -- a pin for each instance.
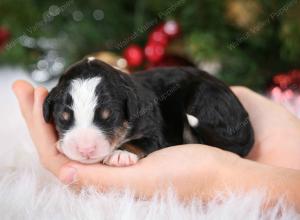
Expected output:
(179, 166)
(277, 131)
(193, 170)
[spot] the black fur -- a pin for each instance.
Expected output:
(155, 103)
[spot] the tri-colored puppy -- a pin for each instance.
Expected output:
(104, 115)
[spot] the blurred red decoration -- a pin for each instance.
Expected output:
(4, 36)
(154, 51)
(285, 89)
(290, 80)
(159, 37)
(134, 55)
(172, 29)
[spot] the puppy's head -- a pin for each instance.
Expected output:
(92, 107)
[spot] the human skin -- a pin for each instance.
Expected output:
(193, 170)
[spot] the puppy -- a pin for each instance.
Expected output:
(104, 115)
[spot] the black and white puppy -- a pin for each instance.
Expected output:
(97, 109)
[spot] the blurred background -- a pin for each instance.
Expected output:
(255, 43)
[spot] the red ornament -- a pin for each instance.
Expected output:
(290, 80)
(134, 55)
(4, 36)
(154, 51)
(171, 29)
(285, 89)
(158, 36)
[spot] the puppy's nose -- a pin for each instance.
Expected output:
(87, 151)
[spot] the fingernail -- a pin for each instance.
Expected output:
(68, 175)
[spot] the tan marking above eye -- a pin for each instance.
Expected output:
(65, 116)
(104, 114)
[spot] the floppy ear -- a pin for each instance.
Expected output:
(132, 106)
(131, 98)
(48, 104)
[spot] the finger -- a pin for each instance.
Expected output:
(45, 136)
(105, 177)
(55, 163)
(47, 129)
(100, 176)
(24, 93)
(45, 132)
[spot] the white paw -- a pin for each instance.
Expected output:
(121, 158)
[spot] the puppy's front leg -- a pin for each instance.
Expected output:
(121, 158)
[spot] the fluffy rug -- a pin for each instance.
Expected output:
(28, 191)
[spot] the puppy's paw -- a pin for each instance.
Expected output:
(121, 158)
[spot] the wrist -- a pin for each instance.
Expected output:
(222, 173)
(241, 174)
(278, 183)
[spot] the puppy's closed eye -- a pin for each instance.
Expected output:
(65, 116)
(104, 113)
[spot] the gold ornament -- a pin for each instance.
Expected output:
(243, 13)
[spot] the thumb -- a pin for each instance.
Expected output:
(100, 176)
(68, 175)
(24, 92)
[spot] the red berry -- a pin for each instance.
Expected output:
(159, 36)
(154, 51)
(134, 55)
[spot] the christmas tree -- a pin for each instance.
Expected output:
(243, 42)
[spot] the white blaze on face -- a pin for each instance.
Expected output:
(85, 142)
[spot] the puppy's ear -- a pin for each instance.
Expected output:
(132, 107)
(49, 104)
(131, 98)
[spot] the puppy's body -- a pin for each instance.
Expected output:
(151, 110)
(186, 95)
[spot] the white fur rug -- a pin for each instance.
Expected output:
(27, 191)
